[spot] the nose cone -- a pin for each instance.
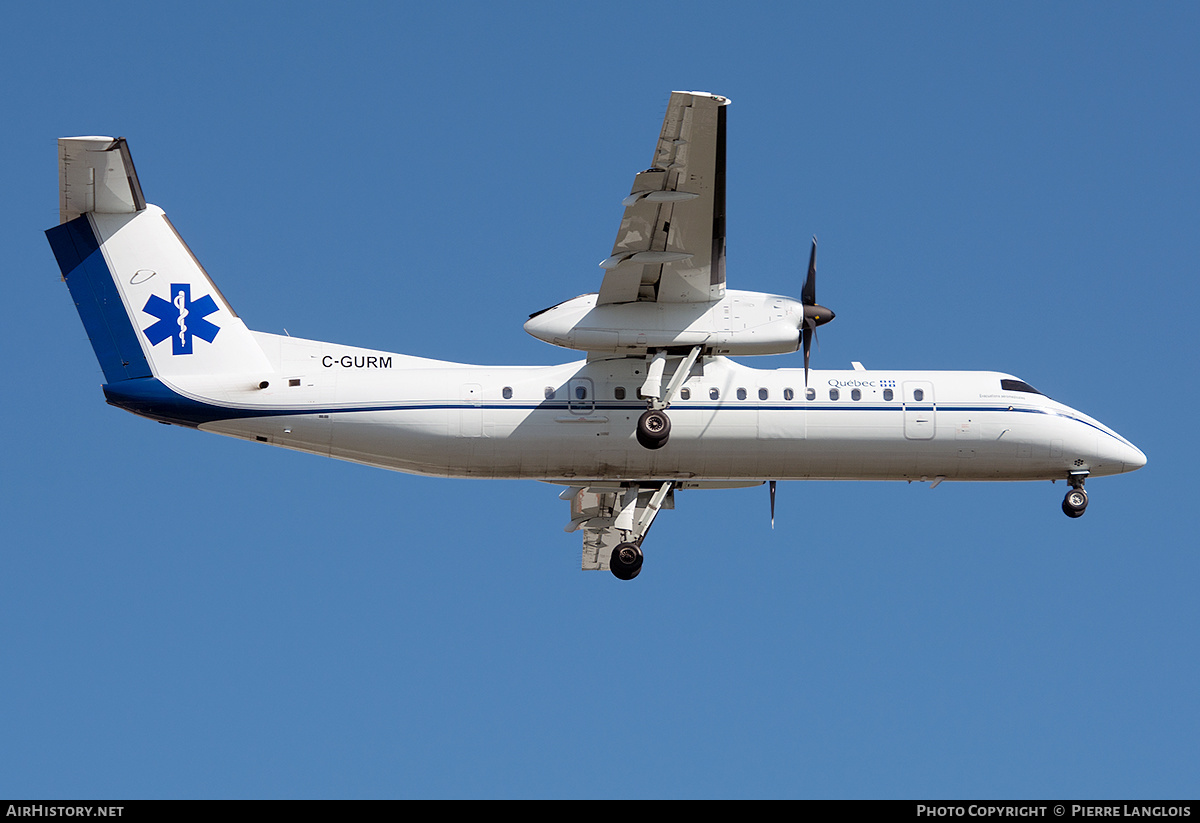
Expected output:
(1117, 455)
(1133, 458)
(1094, 447)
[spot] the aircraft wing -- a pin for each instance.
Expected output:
(671, 244)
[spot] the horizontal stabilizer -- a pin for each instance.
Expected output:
(96, 174)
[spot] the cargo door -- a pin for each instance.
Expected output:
(471, 413)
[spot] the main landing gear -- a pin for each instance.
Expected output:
(654, 427)
(1075, 503)
(626, 561)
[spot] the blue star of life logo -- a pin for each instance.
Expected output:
(180, 319)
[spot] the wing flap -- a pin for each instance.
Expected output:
(671, 243)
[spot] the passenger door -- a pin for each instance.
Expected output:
(920, 422)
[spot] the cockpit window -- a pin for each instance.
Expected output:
(1008, 384)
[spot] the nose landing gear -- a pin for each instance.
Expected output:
(1075, 503)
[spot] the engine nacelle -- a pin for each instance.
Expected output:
(741, 323)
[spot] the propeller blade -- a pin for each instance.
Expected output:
(814, 313)
(807, 337)
(772, 504)
(808, 295)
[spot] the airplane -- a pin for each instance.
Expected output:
(657, 406)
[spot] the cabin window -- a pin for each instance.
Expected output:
(685, 394)
(507, 392)
(549, 392)
(918, 395)
(810, 394)
(763, 394)
(714, 393)
(855, 394)
(834, 394)
(581, 392)
(741, 394)
(619, 392)
(888, 394)
(788, 394)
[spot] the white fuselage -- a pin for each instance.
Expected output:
(576, 421)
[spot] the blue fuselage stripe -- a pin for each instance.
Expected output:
(151, 398)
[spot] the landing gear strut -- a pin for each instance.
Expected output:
(654, 427)
(615, 519)
(1075, 503)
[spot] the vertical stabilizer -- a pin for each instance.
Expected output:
(149, 307)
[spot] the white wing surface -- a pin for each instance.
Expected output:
(671, 244)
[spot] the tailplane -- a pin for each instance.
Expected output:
(148, 306)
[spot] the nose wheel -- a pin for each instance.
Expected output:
(1075, 503)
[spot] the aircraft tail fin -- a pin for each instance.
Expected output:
(148, 306)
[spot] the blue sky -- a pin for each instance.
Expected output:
(1005, 186)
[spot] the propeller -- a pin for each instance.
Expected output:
(772, 482)
(814, 313)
